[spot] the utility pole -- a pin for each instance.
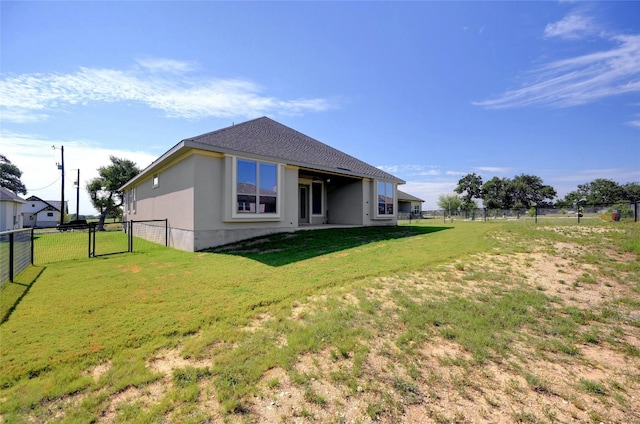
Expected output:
(61, 167)
(78, 196)
(62, 190)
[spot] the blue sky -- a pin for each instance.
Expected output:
(428, 91)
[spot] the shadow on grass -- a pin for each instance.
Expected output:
(286, 248)
(14, 292)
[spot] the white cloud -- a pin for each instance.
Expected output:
(166, 65)
(37, 160)
(411, 170)
(579, 80)
(493, 169)
(571, 27)
(162, 84)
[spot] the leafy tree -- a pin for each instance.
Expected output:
(104, 189)
(471, 186)
(598, 192)
(529, 189)
(631, 192)
(449, 202)
(496, 193)
(10, 176)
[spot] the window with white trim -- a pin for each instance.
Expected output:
(256, 187)
(386, 200)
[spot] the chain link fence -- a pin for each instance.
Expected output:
(16, 253)
(41, 246)
(617, 212)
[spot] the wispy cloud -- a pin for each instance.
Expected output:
(581, 79)
(162, 84)
(166, 65)
(571, 27)
(412, 170)
(493, 169)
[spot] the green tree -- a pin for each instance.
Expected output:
(104, 190)
(10, 176)
(449, 202)
(529, 189)
(496, 193)
(631, 192)
(470, 187)
(600, 191)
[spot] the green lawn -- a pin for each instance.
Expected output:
(68, 317)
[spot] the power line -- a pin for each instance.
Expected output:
(38, 189)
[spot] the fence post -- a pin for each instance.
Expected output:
(93, 245)
(11, 258)
(131, 237)
(166, 232)
(32, 245)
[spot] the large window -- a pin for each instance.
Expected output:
(385, 199)
(256, 187)
(316, 198)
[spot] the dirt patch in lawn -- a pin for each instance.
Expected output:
(542, 378)
(579, 361)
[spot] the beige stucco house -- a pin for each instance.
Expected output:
(256, 178)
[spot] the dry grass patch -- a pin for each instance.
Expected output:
(436, 379)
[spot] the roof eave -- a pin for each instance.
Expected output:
(190, 144)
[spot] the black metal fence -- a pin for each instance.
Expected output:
(16, 253)
(617, 212)
(20, 248)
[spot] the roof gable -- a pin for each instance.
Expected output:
(268, 138)
(49, 204)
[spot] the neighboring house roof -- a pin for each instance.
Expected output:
(55, 204)
(270, 139)
(408, 197)
(8, 195)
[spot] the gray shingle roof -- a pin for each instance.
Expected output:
(6, 194)
(408, 197)
(270, 139)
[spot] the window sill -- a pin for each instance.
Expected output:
(254, 218)
(383, 217)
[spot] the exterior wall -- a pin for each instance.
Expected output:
(346, 204)
(215, 221)
(10, 215)
(171, 199)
